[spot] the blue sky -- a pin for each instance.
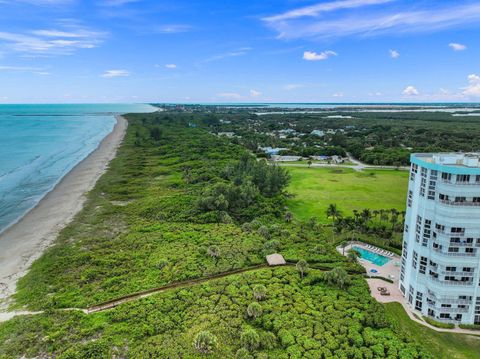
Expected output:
(239, 51)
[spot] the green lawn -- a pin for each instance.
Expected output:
(441, 345)
(316, 188)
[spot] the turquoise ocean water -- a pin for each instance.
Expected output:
(39, 144)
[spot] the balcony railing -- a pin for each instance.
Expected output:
(451, 282)
(454, 254)
(460, 204)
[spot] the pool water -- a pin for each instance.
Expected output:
(375, 258)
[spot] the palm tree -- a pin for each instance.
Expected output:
(337, 276)
(288, 216)
(302, 267)
(205, 342)
(334, 213)
(393, 218)
(259, 292)
(254, 310)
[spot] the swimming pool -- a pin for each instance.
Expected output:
(375, 258)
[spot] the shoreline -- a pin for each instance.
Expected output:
(26, 240)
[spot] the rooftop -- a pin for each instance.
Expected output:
(458, 161)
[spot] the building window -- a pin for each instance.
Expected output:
(410, 198)
(443, 197)
(457, 230)
(414, 260)
(447, 177)
(463, 178)
(451, 269)
(454, 249)
(460, 199)
(469, 250)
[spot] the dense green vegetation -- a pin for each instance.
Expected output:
(179, 203)
(315, 188)
(299, 318)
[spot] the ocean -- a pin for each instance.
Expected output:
(39, 144)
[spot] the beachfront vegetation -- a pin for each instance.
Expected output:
(147, 224)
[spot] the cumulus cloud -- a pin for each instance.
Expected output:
(394, 54)
(255, 93)
(171, 66)
(473, 88)
(115, 73)
(410, 91)
(313, 56)
(338, 94)
(457, 47)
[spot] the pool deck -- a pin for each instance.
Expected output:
(392, 271)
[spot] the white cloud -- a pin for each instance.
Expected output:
(313, 56)
(255, 93)
(171, 66)
(19, 68)
(338, 94)
(115, 73)
(172, 29)
(237, 52)
(473, 88)
(63, 41)
(315, 10)
(394, 54)
(457, 47)
(410, 91)
(308, 22)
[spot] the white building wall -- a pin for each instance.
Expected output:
(432, 277)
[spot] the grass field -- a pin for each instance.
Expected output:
(441, 345)
(316, 188)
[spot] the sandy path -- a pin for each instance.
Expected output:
(25, 241)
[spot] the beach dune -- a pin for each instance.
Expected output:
(26, 240)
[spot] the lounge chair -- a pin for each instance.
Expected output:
(385, 292)
(382, 289)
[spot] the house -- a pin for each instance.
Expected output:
(337, 159)
(320, 158)
(226, 134)
(277, 158)
(318, 133)
(272, 151)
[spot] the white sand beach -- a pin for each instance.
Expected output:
(26, 240)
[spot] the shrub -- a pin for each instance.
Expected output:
(243, 353)
(250, 339)
(438, 324)
(470, 326)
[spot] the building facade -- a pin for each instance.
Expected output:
(440, 269)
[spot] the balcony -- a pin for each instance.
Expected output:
(460, 204)
(453, 254)
(452, 283)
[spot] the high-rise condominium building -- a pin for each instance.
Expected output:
(440, 270)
